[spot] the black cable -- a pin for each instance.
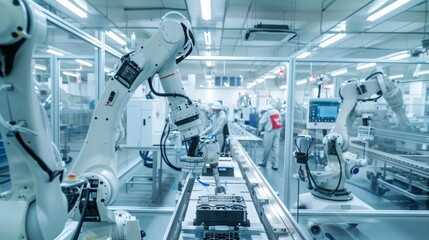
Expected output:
(147, 161)
(297, 201)
(341, 173)
(162, 147)
(167, 94)
(193, 147)
(52, 174)
(372, 75)
(165, 150)
(186, 147)
(319, 89)
(82, 216)
(364, 150)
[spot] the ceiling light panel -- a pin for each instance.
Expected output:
(206, 9)
(55, 52)
(332, 39)
(423, 72)
(389, 8)
(75, 9)
(71, 74)
(365, 65)
(85, 63)
(40, 67)
(208, 38)
(396, 76)
(116, 38)
(338, 72)
(303, 54)
(399, 56)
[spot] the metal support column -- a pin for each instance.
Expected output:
(55, 107)
(100, 63)
(290, 98)
(337, 85)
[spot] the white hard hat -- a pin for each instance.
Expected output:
(216, 105)
(268, 107)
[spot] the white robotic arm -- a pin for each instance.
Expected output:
(35, 207)
(329, 184)
(97, 159)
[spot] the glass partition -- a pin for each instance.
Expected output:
(385, 165)
(43, 83)
(77, 102)
(244, 87)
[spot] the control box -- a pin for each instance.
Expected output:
(322, 112)
(145, 121)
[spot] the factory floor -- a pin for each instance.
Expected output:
(387, 228)
(155, 225)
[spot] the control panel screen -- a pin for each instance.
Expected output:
(322, 113)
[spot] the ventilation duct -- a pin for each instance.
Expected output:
(270, 32)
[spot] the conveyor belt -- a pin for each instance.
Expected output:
(241, 134)
(416, 167)
(402, 136)
(268, 216)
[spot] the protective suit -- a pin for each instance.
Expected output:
(270, 123)
(219, 125)
(204, 112)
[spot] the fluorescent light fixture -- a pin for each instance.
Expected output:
(40, 67)
(208, 38)
(106, 69)
(332, 39)
(302, 81)
(133, 41)
(269, 76)
(208, 53)
(303, 54)
(260, 80)
(338, 72)
(116, 38)
(55, 52)
(250, 85)
(75, 9)
(396, 76)
(201, 85)
(283, 86)
(423, 72)
(399, 56)
(365, 65)
(386, 10)
(206, 9)
(71, 74)
(209, 63)
(85, 63)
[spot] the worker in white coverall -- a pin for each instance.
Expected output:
(219, 125)
(270, 123)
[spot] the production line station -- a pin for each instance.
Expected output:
(214, 119)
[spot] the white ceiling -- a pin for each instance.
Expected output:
(313, 21)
